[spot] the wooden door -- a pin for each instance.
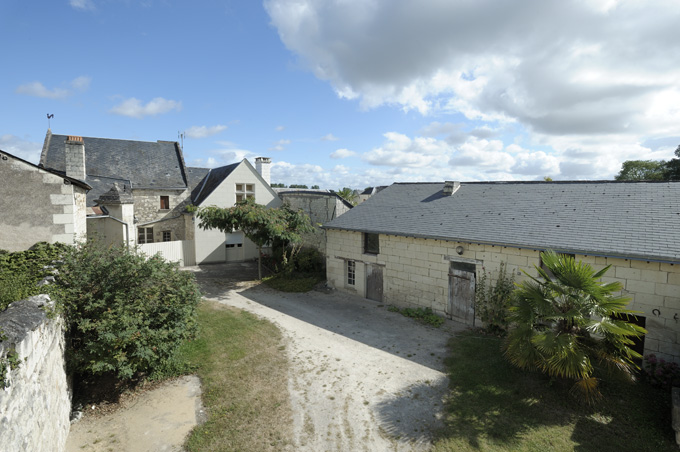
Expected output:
(374, 282)
(461, 304)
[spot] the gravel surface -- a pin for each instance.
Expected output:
(362, 378)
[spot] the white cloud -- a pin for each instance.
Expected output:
(82, 4)
(578, 68)
(279, 145)
(329, 137)
(280, 128)
(37, 89)
(21, 148)
(342, 153)
(204, 131)
(135, 109)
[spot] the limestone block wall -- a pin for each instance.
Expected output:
(416, 274)
(148, 208)
(37, 206)
(35, 403)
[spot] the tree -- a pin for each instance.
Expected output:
(672, 170)
(643, 170)
(297, 186)
(562, 325)
(315, 187)
(259, 224)
(348, 194)
(278, 185)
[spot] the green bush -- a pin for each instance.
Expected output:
(491, 301)
(424, 315)
(125, 313)
(309, 260)
(21, 271)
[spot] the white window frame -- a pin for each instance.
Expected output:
(244, 191)
(351, 272)
(144, 235)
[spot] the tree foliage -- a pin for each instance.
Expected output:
(258, 223)
(673, 167)
(565, 324)
(642, 170)
(348, 194)
(125, 313)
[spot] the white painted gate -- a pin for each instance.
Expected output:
(181, 251)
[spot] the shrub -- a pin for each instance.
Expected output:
(21, 271)
(125, 313)
(491, 301)
(661, 373)
(423, 315)
(309, 260)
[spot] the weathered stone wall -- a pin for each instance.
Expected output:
(416, 274)
(148, 208)
(35, 404)
(37, 206)
(321, 208)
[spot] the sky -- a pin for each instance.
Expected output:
(352, 93)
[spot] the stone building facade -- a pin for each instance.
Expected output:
(392, 248)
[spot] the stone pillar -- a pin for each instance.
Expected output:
(75, 158)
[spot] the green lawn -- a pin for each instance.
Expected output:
(493, 406)
(244, 376)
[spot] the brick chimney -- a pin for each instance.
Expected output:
(262, 165)
(75, 157)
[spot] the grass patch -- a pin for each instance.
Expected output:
(303, 282)
(493, 406)
(244, 375)
(423, 315)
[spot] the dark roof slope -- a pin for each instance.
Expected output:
(631, 219)
(214, 178)
(145, 164)
(196, 175)
(101, 185)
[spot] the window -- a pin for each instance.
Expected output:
(234, 245)
(351, 272)
(145, 235)
(167, 236)
(165, 202)
(371, 243)
(245, 191)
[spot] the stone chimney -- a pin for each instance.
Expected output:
(450, 187)
(262, 165)
(75, 158)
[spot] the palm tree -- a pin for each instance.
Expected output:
(565, 323)
(349, 195)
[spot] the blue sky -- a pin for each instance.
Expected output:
(353, 92)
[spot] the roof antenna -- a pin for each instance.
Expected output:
(49, 116)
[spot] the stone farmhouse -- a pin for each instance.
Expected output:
(425, 244)
(140, 192)
(38, 204)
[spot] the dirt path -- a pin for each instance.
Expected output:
(158, 420)
(363, 378)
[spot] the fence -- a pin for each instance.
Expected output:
(181, 251)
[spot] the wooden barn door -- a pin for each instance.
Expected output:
(462, 292)
(374, 282)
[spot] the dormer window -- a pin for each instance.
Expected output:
(165, 202)
(245, 191)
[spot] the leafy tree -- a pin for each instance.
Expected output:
(259, 224)
(315, 187)
(562, 325)
(297, 186)
(349, 194)
(642, 170)
(672, 170)
(278, 185)
(547, 178)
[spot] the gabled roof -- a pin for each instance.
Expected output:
(210, 182)
(73, 181)
(145, 164)
(625, 219)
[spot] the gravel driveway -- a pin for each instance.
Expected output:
(362, 378)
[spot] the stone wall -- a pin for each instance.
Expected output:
(416, 274)
(321, 208)
(37, 205)
(148, 209)
(35, 404)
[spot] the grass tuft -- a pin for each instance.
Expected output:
(294, 283)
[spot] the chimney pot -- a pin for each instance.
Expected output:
(450, 187)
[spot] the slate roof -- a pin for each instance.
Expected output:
(626, 219)
(145, 164)
(100, 185)
(196, 175)
(214, 178)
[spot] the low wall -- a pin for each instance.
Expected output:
(35, 404)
